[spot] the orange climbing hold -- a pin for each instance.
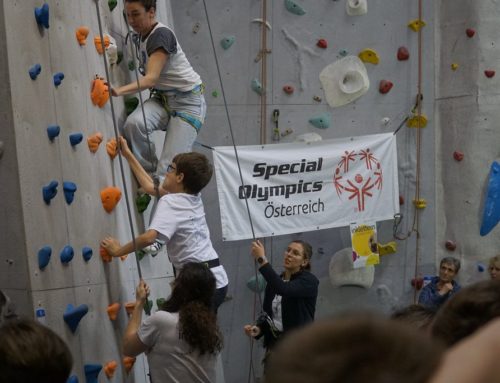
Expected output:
(99, 93)
(128, 363)
(104, 255)
(81, 35)
(94, 141)
(98, 43)
(129, 307)
(112, 148)
(110, 196)
(110, 368)
(113, 310)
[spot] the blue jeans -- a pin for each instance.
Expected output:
(180, 134)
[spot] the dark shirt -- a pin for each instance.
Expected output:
(430, 297)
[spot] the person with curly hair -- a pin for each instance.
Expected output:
(181, 340)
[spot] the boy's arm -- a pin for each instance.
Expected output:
(114, 248)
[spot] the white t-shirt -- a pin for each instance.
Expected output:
(169, 358)
(180, 222)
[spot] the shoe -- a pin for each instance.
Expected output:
(153, 249)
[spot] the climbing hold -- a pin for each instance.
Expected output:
(385, 86)
(69, 189)
(294, 8)
(489, 73)
(99, 92)
(73, 315)
(288, 89)
(418, 283)
(92, 372)
(458, 156)
(110, 368)
(112, 51)
(53, 131)
(401, 200)
(369, 56)
(110, 196)
(66, 254)
(72, 379)
(343, 52)
(257, 284)
(112, 4)
(322, 43)
(128, 363)
(260, 21)
(226, 42)
(49, 191)
(308, 137)
(104, 255)
(416, 122)
(44, 256)
(119, 57)
(450, 245)
(148, 305)
(129, 307)
(491, 214)
(286, 132)
(388, 248)
(356, 7)
(75, 138)
(98, 43)
(416, 25)
(344, 81)
(257, 86)
(42, 15)
(480, 267)
(81, 34)
(140, 254)
(321, 122)
(131, 65)
(58, 77)
(470, 32)
(1, 149)
(196, 27)
(34, 71)
(87, 253)
(454, 66)
(112, 148)
(403, 54)
(94, 141)
(113, 310)
(385, 120)
(420, 203)
(317, 98)
(131, 104)
(142, 202)
(215, 93)
(160, 302)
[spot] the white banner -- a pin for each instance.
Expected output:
(300, 187)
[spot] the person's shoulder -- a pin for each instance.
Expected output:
(163, 317)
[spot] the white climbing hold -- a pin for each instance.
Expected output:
(356, 7)
(342, 271)
(308, 137)
(260, 21)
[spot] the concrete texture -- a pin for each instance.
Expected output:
(461, 107)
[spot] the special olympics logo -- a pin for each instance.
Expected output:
(358, 186)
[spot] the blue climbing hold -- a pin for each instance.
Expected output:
(58, 77)
(87, 253)
(491, 214)
(257, 86)
(480, 267)
(72, 379)
(75, 138)
(294, 8)
(44, 256)
(53, 131)
(74, 315)
(34, 71)
(257, 285)
(226, 42)
(42, 15)
(69, 191)
(343, 52)
(92, 372)
(321, 122)
(49, 191)
(67, 254)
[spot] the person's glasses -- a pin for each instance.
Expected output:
(171, 168)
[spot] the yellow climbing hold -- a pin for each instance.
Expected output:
(420, 203)
(454, 66)
(369, 56)
(388, 248)
(413, 122)
(416, 25)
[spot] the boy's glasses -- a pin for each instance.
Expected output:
(171, 168)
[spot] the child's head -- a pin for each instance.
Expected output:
(196, 170)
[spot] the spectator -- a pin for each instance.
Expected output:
(494, 267)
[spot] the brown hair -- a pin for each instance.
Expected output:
(307, 252)
(196, 169)
(418, 316)
(147, 4)
(494, 260)
(30, 352)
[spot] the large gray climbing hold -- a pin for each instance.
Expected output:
(294, 8)
(257, 86)
(1, 149)
(343, 273)
(227, 41)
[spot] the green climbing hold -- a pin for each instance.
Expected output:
(226, 42)
(257, 285)
(343, 52)
(215, 93)
(142, 200)
(294, 8)
(140, 254)
(131, 65)
(321, 122)
(257, 86)
(130, 105)
(119, 57)
(112, 4)
(148, 306)
(160, 302)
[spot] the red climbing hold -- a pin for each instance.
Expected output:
(112, 148)
(489, 73)
(99, 93)
(401, 200)
(104, 255)
(458, 156)
(288, 89)
(418, 283)
(450, 245)
(403, 54)
(93, 141)
(385, 86)
(470, 32)
(322, 43)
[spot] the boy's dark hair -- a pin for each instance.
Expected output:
(147, 4)
(30, 352)
(196, 169)
(417, 316)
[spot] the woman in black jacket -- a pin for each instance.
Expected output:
(290, 298)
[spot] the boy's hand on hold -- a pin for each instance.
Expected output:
(141, 292)
(111, 245)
